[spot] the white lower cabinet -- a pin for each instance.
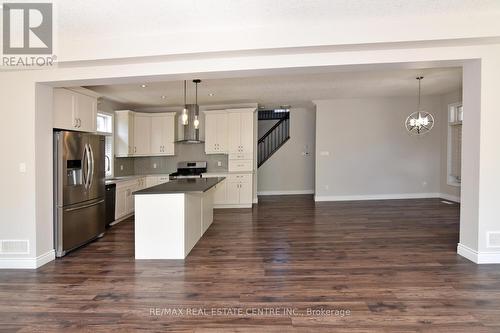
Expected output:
(220, 193)
(124, 204)
(236, 191)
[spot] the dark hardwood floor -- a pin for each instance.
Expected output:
(386, 266)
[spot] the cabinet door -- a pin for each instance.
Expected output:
(233, 132)
(221, 132)
(210, 133)
(168, 135)
(157, 135)
(130, 199)
(232, 193)
(246, 126)
(220, 193)
(124, 133)
(86, 112)
(120, 203)
(64, 110)
(246, 193)
(142, 134)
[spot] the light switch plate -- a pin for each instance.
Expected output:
(325, 153)
(219, 163)
(121, 167)
(154, 165)
(22, 167)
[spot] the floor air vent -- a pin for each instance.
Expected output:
(494, 239)
(14, 246)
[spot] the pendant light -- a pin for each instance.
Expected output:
(419, 122)
(196, 122)
(184, 116)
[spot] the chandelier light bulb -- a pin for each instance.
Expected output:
(196, 122)
(184, 116)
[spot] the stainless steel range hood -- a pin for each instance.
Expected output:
(191, 133)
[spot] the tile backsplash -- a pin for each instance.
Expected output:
(168, 164)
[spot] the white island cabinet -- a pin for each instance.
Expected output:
(172, 217)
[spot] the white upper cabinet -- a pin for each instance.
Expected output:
(163, 134)
(144, 134)
(86, 112)
(240, 132)
(124, 133)
(74, 111)
(216, 132)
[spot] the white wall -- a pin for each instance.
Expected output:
(370, 153)
(94, 29)
(289, 171)
(452, 192)
(479, 173)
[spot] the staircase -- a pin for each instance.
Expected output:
(275, 137)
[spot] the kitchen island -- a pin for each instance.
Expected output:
(170, 218)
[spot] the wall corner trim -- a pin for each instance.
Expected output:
(27, 263)
(478, 257)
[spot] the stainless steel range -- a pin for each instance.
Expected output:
(189, 170)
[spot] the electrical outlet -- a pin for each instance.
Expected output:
(22, 167)
(219, 163)
(154, 165)
(121, 167)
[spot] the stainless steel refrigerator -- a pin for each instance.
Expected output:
(79, 189)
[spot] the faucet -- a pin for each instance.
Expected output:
(108, 168)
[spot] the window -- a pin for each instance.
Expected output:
(104, 123)
(105, 127)
(455, 118)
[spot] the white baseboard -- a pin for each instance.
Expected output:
(27, 263)
(385, 197)
(478, 257)
(449, 197)
(232, 206)
(256, 200)
(376, 197)
(293, 192)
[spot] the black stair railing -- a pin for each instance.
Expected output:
(271, 114)
(273, 139)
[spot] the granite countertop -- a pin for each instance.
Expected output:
(189, 185)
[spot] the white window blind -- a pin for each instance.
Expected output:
(456, 151)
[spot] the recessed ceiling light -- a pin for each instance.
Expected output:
(163, 97)
(144, 85)
(211, 94)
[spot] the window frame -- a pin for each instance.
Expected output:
(453, 120)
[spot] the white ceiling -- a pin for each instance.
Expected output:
(287, 89)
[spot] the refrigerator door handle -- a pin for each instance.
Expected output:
(84, 160)
(89, 166)
(92, 165)
(84, 206)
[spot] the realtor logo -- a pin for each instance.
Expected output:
(27, 28)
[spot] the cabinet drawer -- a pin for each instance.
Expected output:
(240, 165)
(239, 178)
(240, 156)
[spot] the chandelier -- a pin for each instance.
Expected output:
(420, 121)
